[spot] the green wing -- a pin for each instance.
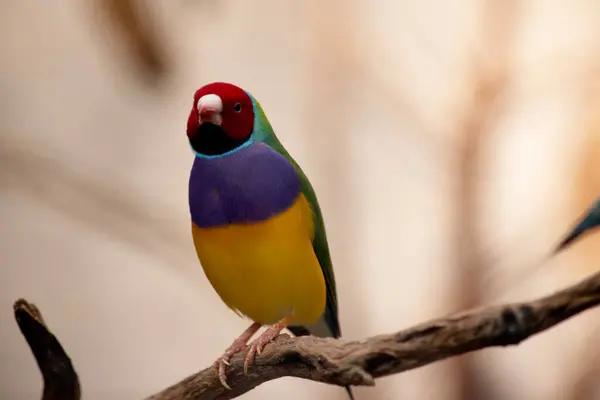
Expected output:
(263, 132)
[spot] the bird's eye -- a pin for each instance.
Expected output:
(237, 107)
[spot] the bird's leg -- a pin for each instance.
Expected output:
(238, 345)
(265, 338)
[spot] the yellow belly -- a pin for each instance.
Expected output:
(266, 270)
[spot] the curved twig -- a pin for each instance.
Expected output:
(60, 379)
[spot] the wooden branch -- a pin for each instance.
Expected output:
(60, 379)
(342, 362)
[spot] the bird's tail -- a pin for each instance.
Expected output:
(349, 391)
(321, 329)
(589, 221)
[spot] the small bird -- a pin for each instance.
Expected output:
(589, 221)
(256, 224)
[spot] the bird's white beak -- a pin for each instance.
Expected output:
(210, 107)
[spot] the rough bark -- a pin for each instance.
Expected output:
(336, 361)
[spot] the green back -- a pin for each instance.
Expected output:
(263, 132)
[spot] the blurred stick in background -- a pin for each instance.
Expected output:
(139, 34)
(90, 201)
(587, 372)
(489, 76)
(335, 61)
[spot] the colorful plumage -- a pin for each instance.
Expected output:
(589, 221)
(256, 223)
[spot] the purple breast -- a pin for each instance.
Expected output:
(249, 185)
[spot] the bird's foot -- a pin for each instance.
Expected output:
(265, 338)
(237, 346)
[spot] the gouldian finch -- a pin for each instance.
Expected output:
(589, 221)
(256, 223)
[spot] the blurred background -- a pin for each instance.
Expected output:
(451, 144)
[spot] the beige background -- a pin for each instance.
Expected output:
(380, 102)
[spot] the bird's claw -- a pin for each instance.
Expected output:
(259, 344)
(222, 373)
(249, 357)
(223, 361)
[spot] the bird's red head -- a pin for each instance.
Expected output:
(221, 119)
